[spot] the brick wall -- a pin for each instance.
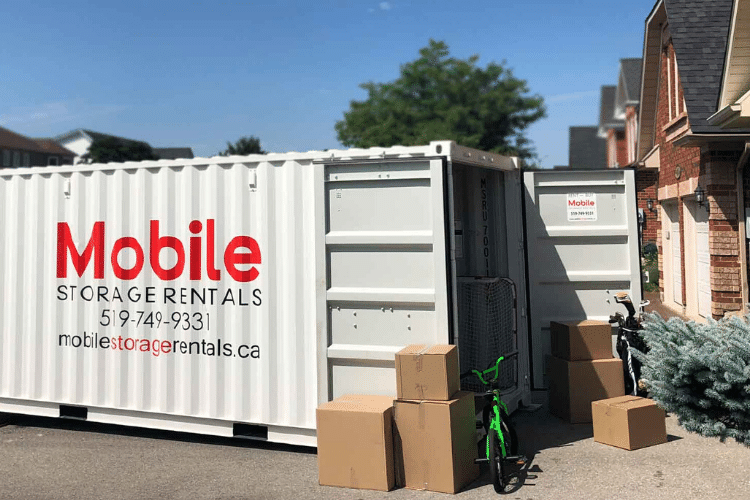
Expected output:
(622, 148)
(719, 168)
(645, 185)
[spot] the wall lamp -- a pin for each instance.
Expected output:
(700, 197)
(650, 205)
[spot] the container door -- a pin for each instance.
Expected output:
(582, 241)
(387, 270)
(704, 262)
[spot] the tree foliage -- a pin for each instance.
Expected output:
(438, 97)
(113, 149)
(701, 373)
(244, 146)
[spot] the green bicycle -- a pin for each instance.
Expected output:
(502, 441)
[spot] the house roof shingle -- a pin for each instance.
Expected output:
(700, 29)
(12, 140)
(173, 153)
(52, 147)
(607, 118)
(586, 150)
(631, 71)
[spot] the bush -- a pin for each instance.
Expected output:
(701, 373)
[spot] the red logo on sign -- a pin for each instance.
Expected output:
(241, 250)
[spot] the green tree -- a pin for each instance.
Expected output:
(244, 146)
(113, 149)
(438, 97)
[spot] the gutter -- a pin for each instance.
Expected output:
(696, 139)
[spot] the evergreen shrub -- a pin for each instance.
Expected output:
(701, 373)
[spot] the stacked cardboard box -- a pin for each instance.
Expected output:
(425, 441)
(582, 369)
(435, 435)
(355, 442)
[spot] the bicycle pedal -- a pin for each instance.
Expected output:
(519, 459)
(481, 461)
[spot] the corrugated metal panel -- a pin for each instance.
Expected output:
(388, 280)
(271, 202)
(582, 249)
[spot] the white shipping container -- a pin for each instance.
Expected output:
(233, 295)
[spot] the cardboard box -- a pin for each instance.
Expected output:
(435, 444)
(355, 442)
(581, 340)
(629, 422)
(573, 385)
(427, 372)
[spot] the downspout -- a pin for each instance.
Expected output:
(741, 220)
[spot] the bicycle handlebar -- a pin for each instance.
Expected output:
(492, 369)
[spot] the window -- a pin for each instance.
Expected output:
(26, 160)
(6, 158)
(52, 160)
(676, 105)
(16, 158)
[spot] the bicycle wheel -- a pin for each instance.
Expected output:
(496, 462)
(509, 434)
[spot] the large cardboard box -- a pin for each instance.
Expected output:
(355, 442)
(435, 444)
(573, 385)
(629, 422)
(427, 372)
(581, 340)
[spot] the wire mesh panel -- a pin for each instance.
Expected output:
(487, 329)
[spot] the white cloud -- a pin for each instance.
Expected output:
(572, 96)
(385, 6)
(55, 112)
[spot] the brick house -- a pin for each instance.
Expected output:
(17, 150)
(694, 138)
(612, 128)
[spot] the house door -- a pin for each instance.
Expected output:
(675, 252)
(704, 262)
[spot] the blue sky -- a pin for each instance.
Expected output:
(201, 73)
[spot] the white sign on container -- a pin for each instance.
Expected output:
(581, 207)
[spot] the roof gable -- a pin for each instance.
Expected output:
(736, 76)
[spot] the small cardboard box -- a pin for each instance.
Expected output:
(427, 372)
(355, 442)
(629, 422)
(573, 385)
(581, 340)
(435, 444)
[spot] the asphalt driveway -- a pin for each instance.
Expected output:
(51, 459)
